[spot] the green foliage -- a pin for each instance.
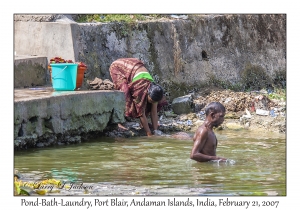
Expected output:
(278, 94)
(31, 188)
(128, 18)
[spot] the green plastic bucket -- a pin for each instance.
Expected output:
(64, 76)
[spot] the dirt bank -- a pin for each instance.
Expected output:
(256, 110)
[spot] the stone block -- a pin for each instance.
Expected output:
(182, 105)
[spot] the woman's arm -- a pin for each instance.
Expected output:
(154, 116)
(145, 125)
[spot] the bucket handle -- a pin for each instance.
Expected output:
(59, 72)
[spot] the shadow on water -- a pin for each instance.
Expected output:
(256, 166)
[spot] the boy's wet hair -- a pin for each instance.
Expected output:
(155, 92)
(214, 107)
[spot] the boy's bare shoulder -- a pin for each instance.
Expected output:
(201, 131)
(202, 128)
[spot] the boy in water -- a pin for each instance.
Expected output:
(205, 141)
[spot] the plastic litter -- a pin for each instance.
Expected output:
(201, 115)
(247, 116)
(272, 113)
(189, 122)
(262, 112)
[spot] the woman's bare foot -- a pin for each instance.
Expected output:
(121, 127)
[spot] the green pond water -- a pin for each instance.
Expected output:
(161, 165)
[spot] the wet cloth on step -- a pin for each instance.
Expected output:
(99, 84)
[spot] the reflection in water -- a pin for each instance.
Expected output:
(256, 164)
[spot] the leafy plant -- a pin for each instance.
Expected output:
(29, 188)
(129, 18)
(278, 94)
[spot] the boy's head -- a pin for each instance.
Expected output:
(217, 112)
(214, 107)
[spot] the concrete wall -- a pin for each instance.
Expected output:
(182, 55)
(44, 118)
(48, 39)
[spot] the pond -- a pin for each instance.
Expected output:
(161, 165)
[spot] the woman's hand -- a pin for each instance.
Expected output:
(145, 125)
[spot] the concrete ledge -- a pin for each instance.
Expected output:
(44, 117)
(30, 71)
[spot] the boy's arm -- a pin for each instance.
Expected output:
(200, 139)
